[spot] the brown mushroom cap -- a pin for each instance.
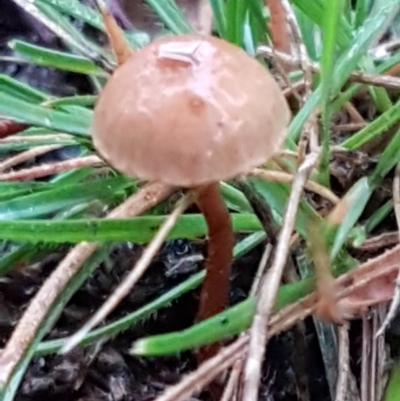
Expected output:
(189, 110)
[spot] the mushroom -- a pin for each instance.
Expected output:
(191, 111)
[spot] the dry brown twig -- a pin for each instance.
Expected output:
(38, 138)
(280, 176)
(27, 155)
(384, 81)
(237, 368)
(344, 362)
(45, 170)
(271, 282)
(22, 336)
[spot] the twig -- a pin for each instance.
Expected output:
(45, 170)
(361, 77)
(132, 278)
(27, 155)
(394, 306)
(255, 288)
(37, 138)
(271, 284)
(280, 176)
(26, 329)
(344, 362)
(365, 357)
(233, 380)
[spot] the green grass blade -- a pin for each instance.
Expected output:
(392, 391)
(225, 324)
(51, 58)
(218, 9)
(276, 195)
(138, 230)
(21, 91)
(24, 112)
(333, 11)
(235, 17)
(373, 130)
(60, 197)
(171, 15)
(78, 10)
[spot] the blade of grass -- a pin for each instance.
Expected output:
(78, 10)
(75, 39)
(28, 113)
(171, 15)
(218, 9)
(138, 230)
(231, 321)
(51, 58)
(331, 20)
(235, 11)
(373, 130)
(21, 91)
(60, 197)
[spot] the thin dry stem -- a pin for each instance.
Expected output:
(132, 278)
(394, 306)
(26, 329)
(271, 284)
(37, 138)
(237, 368)
(27, 155)
(384, 81)
(365, 357)
(231, 386)
(45, 170)
(280, 176)
(344, 362)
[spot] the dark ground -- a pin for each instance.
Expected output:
(107, 372)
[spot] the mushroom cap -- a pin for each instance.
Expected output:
(189, 110)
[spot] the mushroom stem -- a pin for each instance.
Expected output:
(215, 289)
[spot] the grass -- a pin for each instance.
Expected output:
(66, 209)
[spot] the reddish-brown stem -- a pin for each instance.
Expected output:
(215, 289)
